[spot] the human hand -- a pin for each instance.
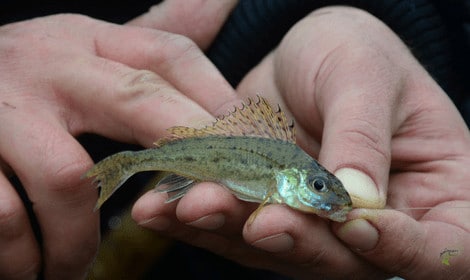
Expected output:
(372, 115)
(196, 19)
(67, 74)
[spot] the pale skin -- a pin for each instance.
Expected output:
(67, 74)
(351, 83)
(86, 76)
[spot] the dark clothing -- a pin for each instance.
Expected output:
(437, 32)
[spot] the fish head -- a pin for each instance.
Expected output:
(315, 191)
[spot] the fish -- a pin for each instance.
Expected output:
(251, 151)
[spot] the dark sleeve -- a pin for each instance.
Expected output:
(112, 11)
(437, 33)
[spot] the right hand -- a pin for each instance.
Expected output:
(362, 104)
(67, 74)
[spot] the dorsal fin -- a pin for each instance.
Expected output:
(254, 118)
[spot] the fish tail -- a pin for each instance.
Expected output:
(111, 173)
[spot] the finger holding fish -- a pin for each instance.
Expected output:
(276, 240)
(435, 246)
(306, 243)
(389, 124)
(193, 224)
(217, 211)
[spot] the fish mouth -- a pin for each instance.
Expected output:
(339, 213)
(334, 212)
(340, 204)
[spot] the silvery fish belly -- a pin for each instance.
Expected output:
(251, 151)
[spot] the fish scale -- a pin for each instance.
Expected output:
(251, 151)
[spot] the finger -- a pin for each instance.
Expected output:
(206, 206)
(126, 104)
(281, 231)
(429, 248)
(349, 92)
(209, 206)
(151, 212)
(198, 20)
(175, 58)
(19, 254)
(356, 145)
(50, 169)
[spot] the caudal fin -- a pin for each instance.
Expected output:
(110, 174)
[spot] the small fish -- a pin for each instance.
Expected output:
(251, 151)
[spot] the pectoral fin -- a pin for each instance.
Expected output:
(253, 215)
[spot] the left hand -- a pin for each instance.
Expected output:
(64, 75)
(371, 114)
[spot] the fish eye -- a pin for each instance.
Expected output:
(319, 184)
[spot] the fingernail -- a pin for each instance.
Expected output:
(277, 243)
(209, 222)
(158, 223)
(361, 188)
(359, 234)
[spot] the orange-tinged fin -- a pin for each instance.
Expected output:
(254, 118)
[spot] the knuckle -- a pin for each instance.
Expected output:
(174, 47)
(66, 177)
(68, 173)
(139, 84)
(368, 135)
(177, 45)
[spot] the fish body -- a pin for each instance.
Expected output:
(252, 152)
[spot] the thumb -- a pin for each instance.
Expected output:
(405, 247)
(359, 118)
(348, 93)
(198, 20)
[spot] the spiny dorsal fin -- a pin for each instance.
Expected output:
(254, 118)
